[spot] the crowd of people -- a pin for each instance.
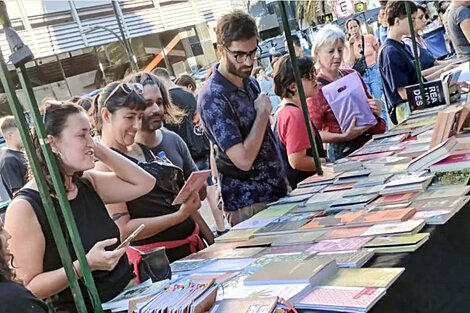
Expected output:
(125, 151)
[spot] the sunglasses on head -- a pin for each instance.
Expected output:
(128, 88)
(49, 103)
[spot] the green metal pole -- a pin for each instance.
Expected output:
(59, 188)
(298, 82)
(51, 214)
(415, 52)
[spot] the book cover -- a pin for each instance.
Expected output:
(435, 217)
(374, 190)
(306, 190)
(339, 187)
(239, 253)
(364, 277)
(351, 174)
(194, 182)
(284, 224)
(291, 199)
(342, 244)
(201, 278)
(298, 248)
(372, 156)
(240, 291)
(346, 232)
(326, 178)
(325, 197)
(457, 191)
(434, 155)
(276, 210)
(395, 198)
(262, 305)
(349, 259)
(270, 258)
(226, 265)
(440, 203)
(433, 92)
(401, 240)
(375, 149)
(400, 249)
(410, 226)
(292, 272)
(385, 216)
(372, 181)
(450, 178)
(454, 162)
(237, 235)
(338, 299)
(265, 241)
(188, 265)
(353, 200)
(121, 301)
(253, 223)
(298, 238)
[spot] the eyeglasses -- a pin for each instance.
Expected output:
(242, 57)
(127, 88)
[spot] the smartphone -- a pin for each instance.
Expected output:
(131, 236)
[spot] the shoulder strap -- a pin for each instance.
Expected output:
(148, 153)
(323, 80)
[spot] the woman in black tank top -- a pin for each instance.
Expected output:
(36, 259)
(118, 119)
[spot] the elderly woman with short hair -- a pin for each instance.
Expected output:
(328, 48)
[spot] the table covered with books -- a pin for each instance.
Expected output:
(383, 230)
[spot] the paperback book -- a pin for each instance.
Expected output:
(292, 272)
(364, 277)
(338, 299)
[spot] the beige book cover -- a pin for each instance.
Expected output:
(364, 277)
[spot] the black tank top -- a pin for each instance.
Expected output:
(94, 224)
(158, 203)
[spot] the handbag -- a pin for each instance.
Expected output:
(347, 99)
(154, 264)
(361, 65)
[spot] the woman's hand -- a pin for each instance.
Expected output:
(100, 259)
(375, 106)
(351, 41)
(191, 205)
(354, 131)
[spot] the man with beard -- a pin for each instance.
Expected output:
(156, 137)
(236, 119)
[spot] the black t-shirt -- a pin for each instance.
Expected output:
(197, 143)
(16, 298)
(158, 203)
(94, 224)
(13, 168)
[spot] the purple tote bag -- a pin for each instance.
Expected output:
(347, 99)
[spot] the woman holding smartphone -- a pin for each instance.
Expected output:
(36, 258)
